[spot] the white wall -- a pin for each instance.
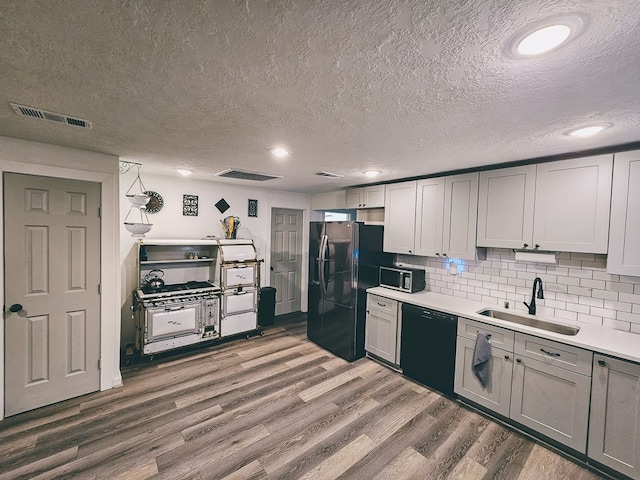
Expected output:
(20, 156)
(576, 290)
(171, 223)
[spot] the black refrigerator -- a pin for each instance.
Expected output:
(343, 262)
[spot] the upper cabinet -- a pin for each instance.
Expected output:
(433, 217)
(399, 218)
(624, 236)
(365, 197)
(561, 206)
(328, 200)
(505, 207)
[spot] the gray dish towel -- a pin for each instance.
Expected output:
(481, 355)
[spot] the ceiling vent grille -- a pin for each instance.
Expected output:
(25, 111)
(246, 175)
(329, 175)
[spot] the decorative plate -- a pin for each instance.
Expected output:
(155, 202)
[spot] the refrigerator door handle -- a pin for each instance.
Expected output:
(321, 263)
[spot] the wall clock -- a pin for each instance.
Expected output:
(155, 203)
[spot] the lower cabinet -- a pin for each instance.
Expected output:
(614, 431)
(381, 331)
(541, 384)
(496, 395)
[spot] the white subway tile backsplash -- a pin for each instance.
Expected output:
(580, 273)
(617, 324)
(629, 297)
(590, 319)
(620, 287)
(577, 289)
(585, 282)
(592, 302)
(568, 281)
(620, 306)
(603, 312)
(604, 294)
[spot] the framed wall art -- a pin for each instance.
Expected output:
(253, 208)
(190, 205)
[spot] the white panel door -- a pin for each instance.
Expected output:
(572, 205)
(52, 255)
(286, 259)
(429, 216)
(400, 217)
(505, 207)
(624, 236)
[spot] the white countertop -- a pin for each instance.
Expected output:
(600, 339)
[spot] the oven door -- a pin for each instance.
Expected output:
(239, 275)
(234, 302)
(172, 320)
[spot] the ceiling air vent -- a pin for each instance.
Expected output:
(25, 111)
(246, 175)
(329, 175)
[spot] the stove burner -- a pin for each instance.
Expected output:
(176, 287)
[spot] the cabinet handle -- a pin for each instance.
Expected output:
(381, 304)
(519, 360)
(602, 363)
(444, 254)
(551, 354)
(506, 357)
(437, 254)
(526, 245)
(537, 245)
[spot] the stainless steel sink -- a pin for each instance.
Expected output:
(530, 322)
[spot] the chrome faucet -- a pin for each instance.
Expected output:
(532, 306)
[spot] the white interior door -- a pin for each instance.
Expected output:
(286, 258)
(52, 317)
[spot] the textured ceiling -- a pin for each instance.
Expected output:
(407, 87)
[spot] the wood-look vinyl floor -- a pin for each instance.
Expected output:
(275, 406)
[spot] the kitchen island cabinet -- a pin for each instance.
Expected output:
(555, 206)
(624, 236)
(614, 430)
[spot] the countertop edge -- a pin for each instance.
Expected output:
(599, 339)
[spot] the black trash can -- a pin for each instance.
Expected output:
(266, 306)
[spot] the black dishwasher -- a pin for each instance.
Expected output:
(428, 348)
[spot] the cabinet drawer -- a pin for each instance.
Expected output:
(382, 306)
(500, 337)
(554, 353)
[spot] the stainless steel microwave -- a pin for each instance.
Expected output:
(404, 279)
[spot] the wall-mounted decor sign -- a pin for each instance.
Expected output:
(253, 208)
(190, 205)
(222, 205)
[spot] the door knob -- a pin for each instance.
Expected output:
(15, 308)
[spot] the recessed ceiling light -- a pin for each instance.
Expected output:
(544, 36)
(588, 130)
(184, 171)
(372, 173)
(280, 152)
